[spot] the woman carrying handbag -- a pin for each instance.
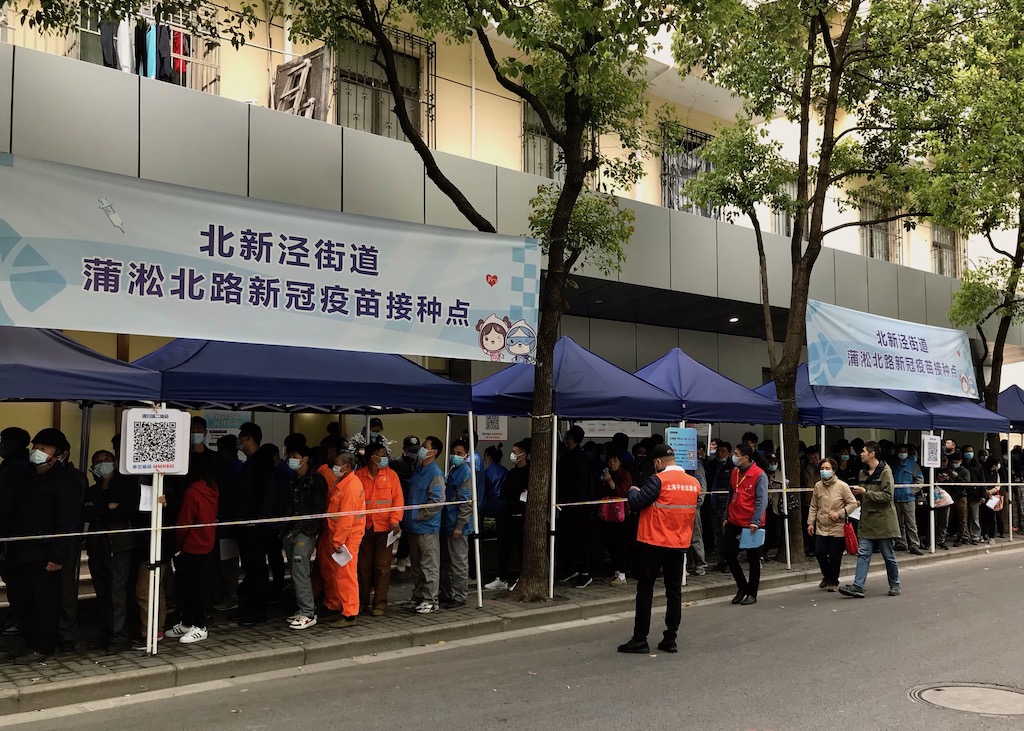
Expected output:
(831, 503)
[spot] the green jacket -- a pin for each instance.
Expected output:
(878, 511)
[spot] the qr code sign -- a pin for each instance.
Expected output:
(492, 423)
(155, 441)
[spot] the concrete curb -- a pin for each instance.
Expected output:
(337, 647)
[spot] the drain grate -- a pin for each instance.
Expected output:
(980, 698)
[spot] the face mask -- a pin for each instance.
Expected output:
(458, 461)
(736, 460)
(294, 464)
(103, 469)
(903, 455)
(422, 454)
(337, 470)
(514, 457)
(955, 465)
(825, 474)
(198, 438)
(772, 467)
(38, 456)
(845, 458)
(383, 462)
(968, 456)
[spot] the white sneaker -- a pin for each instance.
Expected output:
(303, 622)
(497, 584)
(402, 565)
(428, 608)
(194, 635)
(178, 630)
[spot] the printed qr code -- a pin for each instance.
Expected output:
(492, 423)
(154, 441)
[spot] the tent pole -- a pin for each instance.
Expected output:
(551, 517)
(83, 450)
(931, 503)
(821, 444)
(447, 443)
(785, 498)
(367, 432)
(476, 515)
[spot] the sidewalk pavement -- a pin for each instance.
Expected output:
(233, 651)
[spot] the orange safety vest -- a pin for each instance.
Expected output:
(668, 522)
(384, 492)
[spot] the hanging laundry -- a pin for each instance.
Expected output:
(125, 45)
(182, 46)
(141, 65)
(107, 40)
(163, 52)
(151, 52)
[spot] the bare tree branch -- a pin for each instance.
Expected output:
(887, 219)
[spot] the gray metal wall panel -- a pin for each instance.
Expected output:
(882, 284)
(742, 359)
(694, 251)
(477, 181)
(851, 281)
(577, 328)
(652, 342)
(938, 292)
(911, 295)
(382, 177)
(615, 342)
(780, 272)
(515, 190)
(738, 274)
(6, 87)
(701, 346)
(647, 254)
(823, 277)
(294, 160)
(76, 113)
(195, 139)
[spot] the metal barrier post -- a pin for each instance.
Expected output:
(785, 498)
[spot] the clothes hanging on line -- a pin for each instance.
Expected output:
(141, 65)
(107, 40)
(125, 46)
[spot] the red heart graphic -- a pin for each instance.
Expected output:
(492, 279)
(958, 354)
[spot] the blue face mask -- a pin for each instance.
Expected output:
(736, 460)
(845, 457)
(903, 456)
(294, 464)
(383, 462)
(825, 474)
(458, 461)
(968, 456)
(422, 455)
(773, 467)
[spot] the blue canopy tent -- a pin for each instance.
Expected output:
(953, 412)
(1011, 405)
(45, 365)
(586, 386)
(706, 394)
(850, 407)
(213, 374)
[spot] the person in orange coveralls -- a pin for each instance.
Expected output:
(341, 583)
(382, 489)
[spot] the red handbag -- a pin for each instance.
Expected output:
(852, 544)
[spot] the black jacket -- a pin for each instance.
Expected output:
(576, 479)
(46, 503)
(256, 484)
(123, 493)
(306, 495)
(517, 480)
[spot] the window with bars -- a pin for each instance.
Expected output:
(190, 60)
(946, 256)
(364, 100)
(880, 240)
(541, 156)
(782, 221)
(680, 163)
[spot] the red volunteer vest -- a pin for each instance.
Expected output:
(668, 522)
(744, 496)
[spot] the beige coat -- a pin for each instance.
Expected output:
(833, 496)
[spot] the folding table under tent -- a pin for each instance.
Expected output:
(1011, 405)
(585, 386)
(244, 376)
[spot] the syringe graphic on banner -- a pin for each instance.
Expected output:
(115, 219)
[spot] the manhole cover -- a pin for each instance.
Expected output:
(988, 700)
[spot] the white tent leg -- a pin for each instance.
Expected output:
(476, 516)
(931, 504)
(785, 498)
(551, 524)
(447, 443)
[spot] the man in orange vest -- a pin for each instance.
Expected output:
(381, 489)
(341, 583)
(667, 504)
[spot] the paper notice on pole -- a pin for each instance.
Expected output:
(393, 536)
(855, 515)
(228, 548)
(146, 499)
(342, 557)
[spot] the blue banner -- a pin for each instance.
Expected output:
(87, 250)
(855, 349)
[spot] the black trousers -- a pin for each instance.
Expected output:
(38, 604)
(651, 560)
(195, 586)
(255, 588)
(510, 543)
(731, 551)
(575, 528)
(829, 551)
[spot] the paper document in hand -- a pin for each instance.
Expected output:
(992, 502)
(393, 536)
(146, 499)
(342, 557)
(855, 515)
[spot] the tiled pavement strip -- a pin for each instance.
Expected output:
(233, 651)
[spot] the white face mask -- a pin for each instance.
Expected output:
(38, 456)
(513, 456)
(103, 469)
(294, 464)
(198, 438)
(337, 471)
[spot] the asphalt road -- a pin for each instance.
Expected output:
(799, 659)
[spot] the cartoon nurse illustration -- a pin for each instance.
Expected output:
(493, 332)
(521, 342)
